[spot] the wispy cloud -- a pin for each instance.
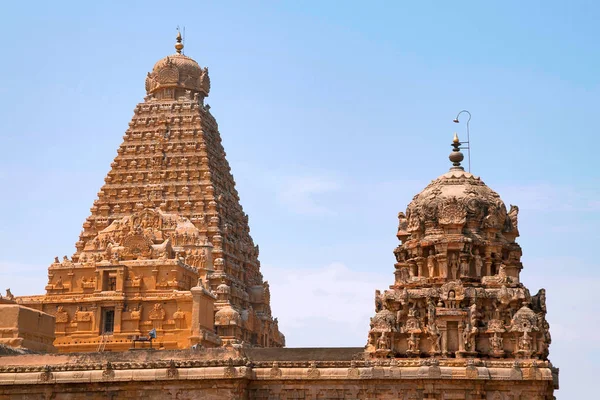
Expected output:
(328, 306)
(304, 194)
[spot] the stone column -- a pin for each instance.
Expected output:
(444, 331)
(98, 281)
(442, 265)
(70, 275)
(421, 264)
(118, 315)
(120, 280)
(461, 343)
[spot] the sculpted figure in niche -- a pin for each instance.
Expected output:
(430, 310)
(435, 336)
(413, 343)
(525, 342)
(464, 266)
(478, 263)
(469, 337)
(202, 259)
(383, 342)
(496, 342)
(452, 299)
(431, 263)
(453, 265)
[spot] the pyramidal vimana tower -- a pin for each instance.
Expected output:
(167, 245)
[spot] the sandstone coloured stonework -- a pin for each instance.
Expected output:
(167, 240)
(167, 249)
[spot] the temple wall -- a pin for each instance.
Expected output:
(26, 328)
(255, 374)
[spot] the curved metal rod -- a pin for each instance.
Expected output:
(468, 135)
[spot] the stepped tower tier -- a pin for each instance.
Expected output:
(166, 234)
(457, 291)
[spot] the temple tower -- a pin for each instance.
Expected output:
(457, 292)
(167, 244)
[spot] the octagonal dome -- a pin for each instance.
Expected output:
(178, 71)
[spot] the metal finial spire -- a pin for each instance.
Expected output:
(179, 44)
(456, 156)
(468, 142)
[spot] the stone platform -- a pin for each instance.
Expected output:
(285, 373)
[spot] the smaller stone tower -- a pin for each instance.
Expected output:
(457, 292)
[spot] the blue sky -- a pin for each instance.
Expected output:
(333, 115)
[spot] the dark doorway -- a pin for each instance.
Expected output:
(108, 320)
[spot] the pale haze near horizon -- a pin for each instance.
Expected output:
(333, 116)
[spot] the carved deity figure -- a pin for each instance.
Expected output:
(430, 310)
(452, 299)
(435, 336)
(469, 337)
(413, 343)
(525, 342)
(478, 263)
(464, 266)
(453, 266)
(9, 295)
(431, 264)
(383, 342)
(496, 342)
(202, 260)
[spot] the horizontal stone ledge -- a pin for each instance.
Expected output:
(275, 374)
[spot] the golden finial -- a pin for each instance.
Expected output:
(456, 156)
(178, 45)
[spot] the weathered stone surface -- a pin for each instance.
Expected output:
(167, 242)
(256, 374)
(456, 324)
(23, 328)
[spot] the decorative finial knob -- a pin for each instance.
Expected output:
(179, 45)
(456, 156)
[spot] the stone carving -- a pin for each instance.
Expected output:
(313, 371)
(457, 279)
(353, 372)
(168, 207)
(436, 338)
(46, 374)
(172, 371)
(61, 315)
(452, 213)
(275, 371)
(108, 372)
(157, 313)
